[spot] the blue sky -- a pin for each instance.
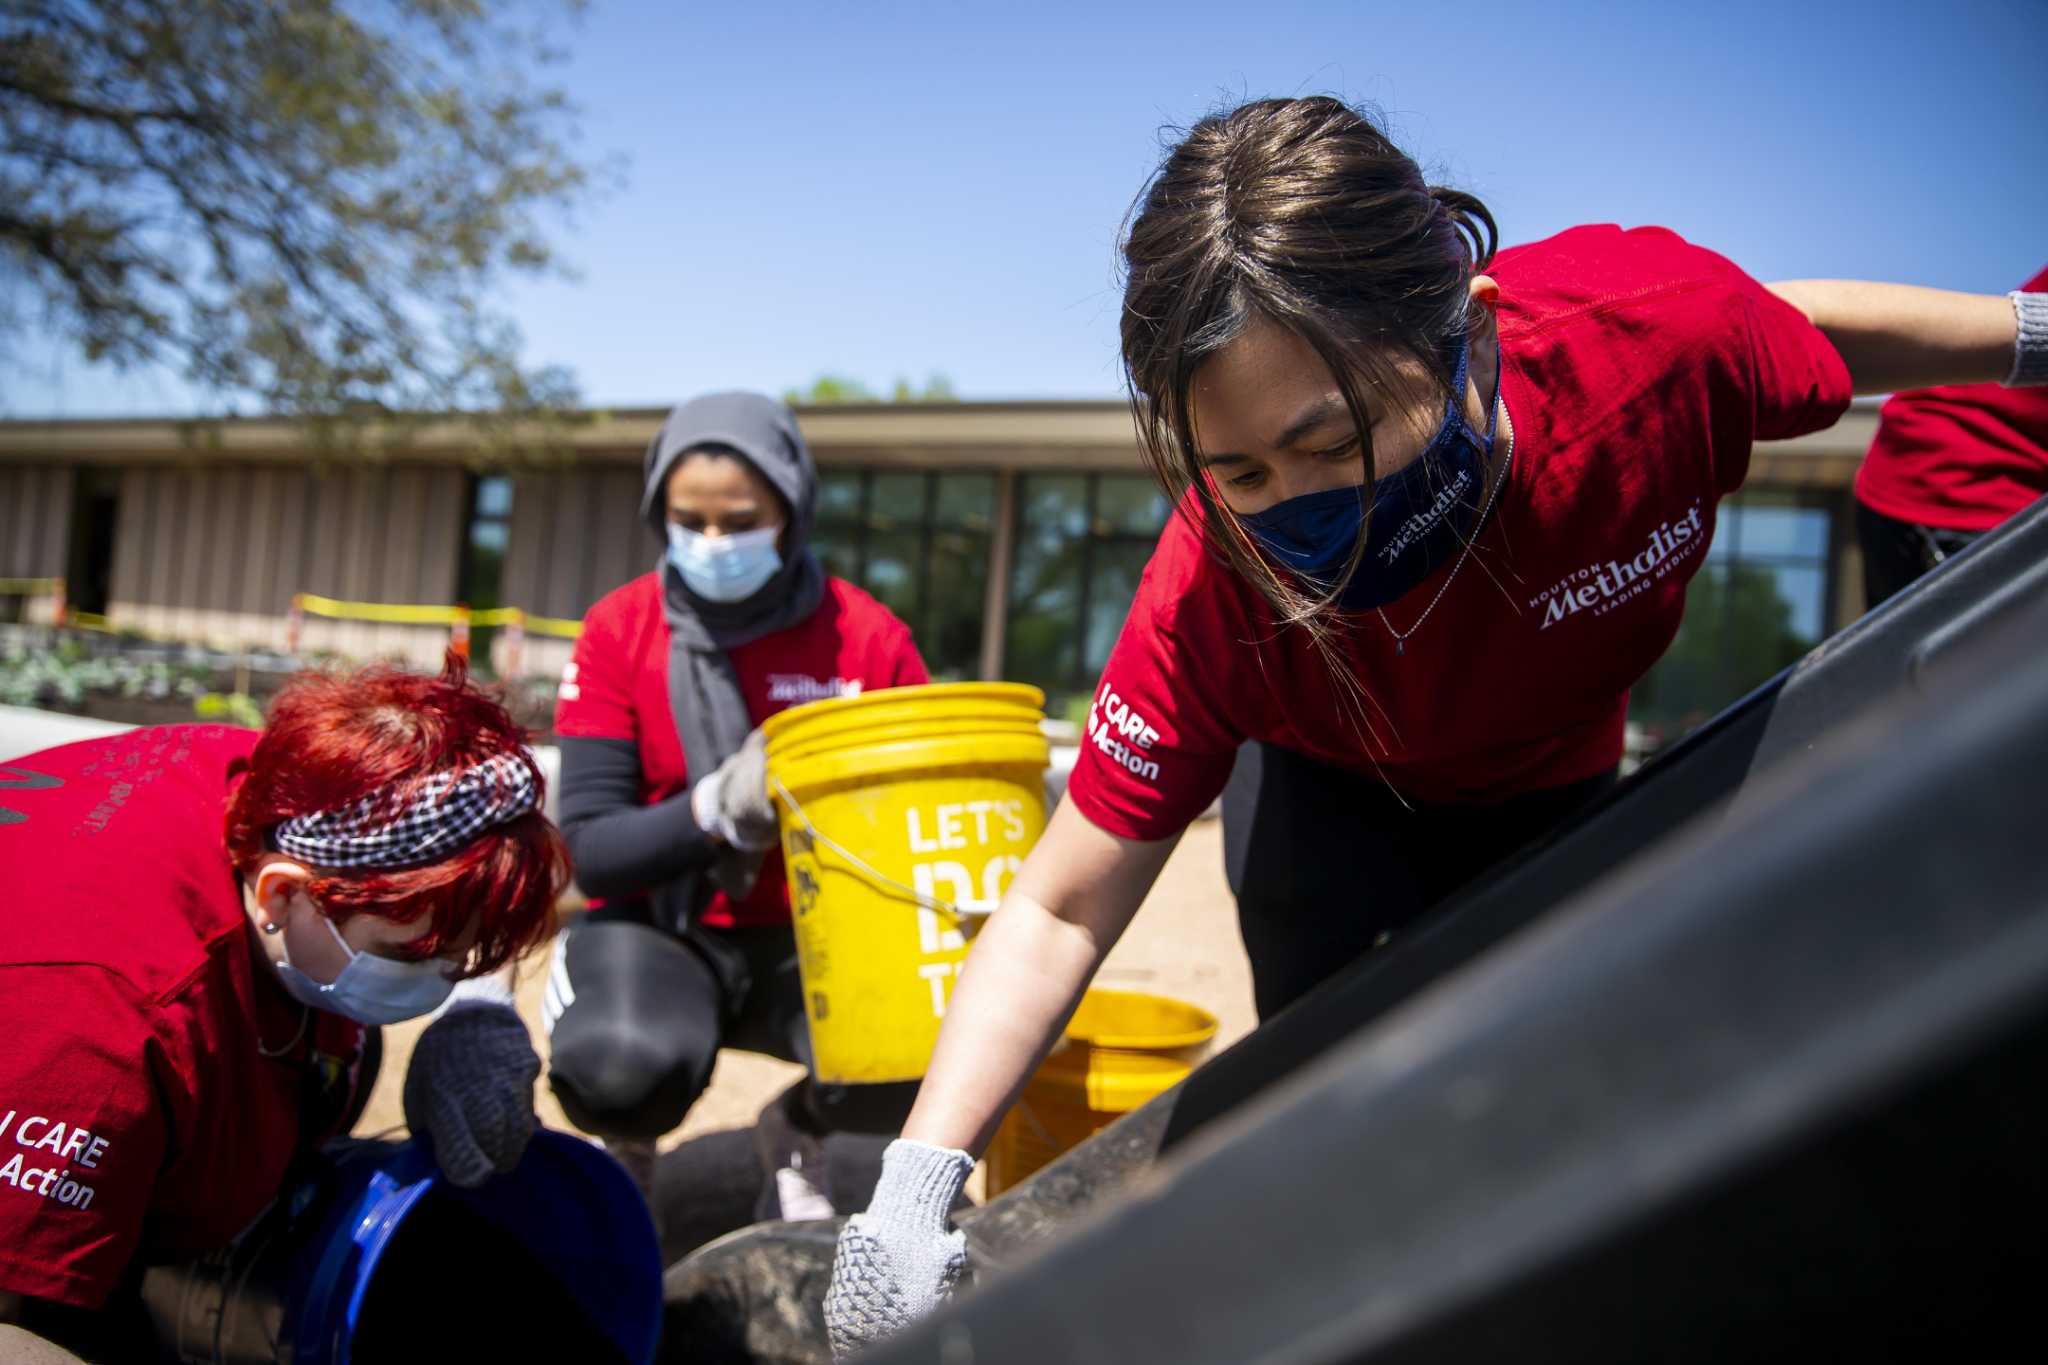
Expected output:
(882, 189)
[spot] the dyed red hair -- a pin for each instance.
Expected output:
(336, 738)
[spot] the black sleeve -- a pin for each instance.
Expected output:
(621, 847)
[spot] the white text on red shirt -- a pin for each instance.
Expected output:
(1604, 585)
(69, 1144)
(1111, 722)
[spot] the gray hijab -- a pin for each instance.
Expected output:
(703, 689)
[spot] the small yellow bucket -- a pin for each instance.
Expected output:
(1120, 1049)
(905, 813)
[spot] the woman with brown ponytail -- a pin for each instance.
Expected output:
(1437, 506)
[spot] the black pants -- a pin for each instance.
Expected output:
(1897, 552)
(637, 1015)
(1327, 864)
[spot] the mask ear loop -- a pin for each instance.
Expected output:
(1454, 406)
(352, 954)
(277, 927)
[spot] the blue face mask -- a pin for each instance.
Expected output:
(370, 989)
(724, 568)
(1422, 515)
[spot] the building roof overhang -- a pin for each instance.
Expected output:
(1084, 435)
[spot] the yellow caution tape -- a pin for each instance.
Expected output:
(404, 614)
(378, 611)
(27, 587)
(390, 613)
(550, 625)
(535, 625)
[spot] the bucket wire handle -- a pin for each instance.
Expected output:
(1023, 1108)
(952, 912)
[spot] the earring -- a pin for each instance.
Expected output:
(273, 928)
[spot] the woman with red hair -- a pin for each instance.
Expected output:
(197, 925)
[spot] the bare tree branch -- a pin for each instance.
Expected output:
(310, 202)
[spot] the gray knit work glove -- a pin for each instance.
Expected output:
(898, 1261)
(733, 803)
(469, 1089)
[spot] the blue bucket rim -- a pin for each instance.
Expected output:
(397, 1180)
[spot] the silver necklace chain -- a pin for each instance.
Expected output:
(1507, 468)
(305, 1017)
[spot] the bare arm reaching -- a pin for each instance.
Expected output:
(1031, 961)
(1901, 336)
(1066, 909)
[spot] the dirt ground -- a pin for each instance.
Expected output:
(1183, 943)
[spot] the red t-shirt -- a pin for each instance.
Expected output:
(137, 1113)
(1963, 457)
(1636, 369)
(616, 687)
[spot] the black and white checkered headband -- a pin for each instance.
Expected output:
(448, 810)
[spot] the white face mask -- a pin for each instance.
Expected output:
(724, 568)
(370, 989)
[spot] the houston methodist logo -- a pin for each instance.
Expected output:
(1600, 587)
(1423, 522)
(799, 687)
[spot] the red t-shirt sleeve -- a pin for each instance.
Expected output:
(81, 1135)
(896, 662)
(595, 700)
(1798, 379)
(1157, 747)
(1725, 348)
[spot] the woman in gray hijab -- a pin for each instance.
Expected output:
(664, 804)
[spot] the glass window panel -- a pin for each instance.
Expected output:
(1686, 686)
(1113, 583)
(1758, 604)
(486, 571)
(949, 637)
(1803, 589)
(838, 551)
(488, 566)
(897, 501)
(494, 496)
(839, 495)
(1045, 586)
(1757, 637)
(1127, 504)
(1743, 623)
(1040, 649)
(480, 579)
(967, 501)
(1783, 532)
(1726, 533)
(1054, 505)
(893, 571)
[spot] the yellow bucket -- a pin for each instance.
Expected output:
(1120, 1049)
(905, 813)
